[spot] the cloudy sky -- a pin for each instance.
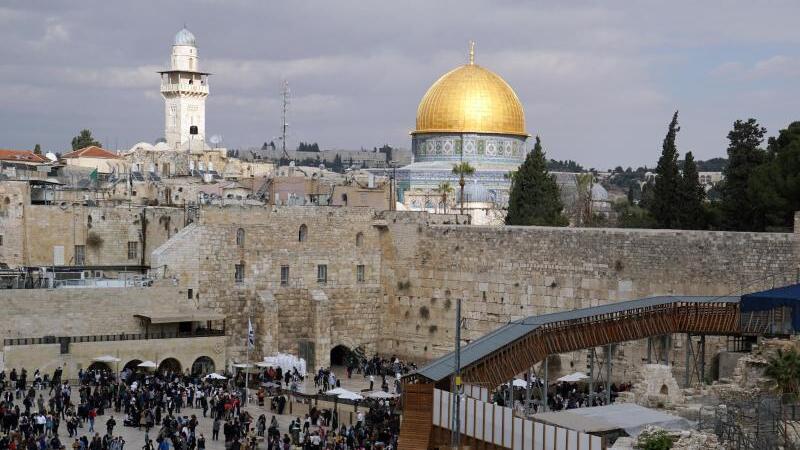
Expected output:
(599, 80)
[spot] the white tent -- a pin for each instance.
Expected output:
(574, 377)
(337, 391)
(242, 366)
(106, 359)
(381, 395)
(147, 364)
(216, 376)
(263, 364)
(520, 383)
(350, 396)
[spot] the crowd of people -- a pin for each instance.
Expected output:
(48, 413)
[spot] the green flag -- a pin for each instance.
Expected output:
(93, 175)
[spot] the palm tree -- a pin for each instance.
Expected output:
(445, 189)
(784, 370)
(462, 169)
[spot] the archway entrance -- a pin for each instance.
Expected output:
(341, 355)
(98, 366)
(169, 365)
(202, 366)
(132, 365)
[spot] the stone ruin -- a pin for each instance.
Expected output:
(656, 388)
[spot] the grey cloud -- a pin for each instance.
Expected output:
(598, 80)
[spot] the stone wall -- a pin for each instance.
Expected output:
(418, 264)
(73, 312)
(506, 273)
(83, 311)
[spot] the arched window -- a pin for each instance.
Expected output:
(303, 234)
(359, 239)
(344, 199)
(240, 237)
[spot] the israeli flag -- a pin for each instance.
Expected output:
(251, 334)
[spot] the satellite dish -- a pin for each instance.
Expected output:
(215, 139)
(51, 156)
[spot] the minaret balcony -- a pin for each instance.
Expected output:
(181, 88)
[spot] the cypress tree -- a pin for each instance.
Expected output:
(692, 196)
(665, 206)
(739, 211)
(535, 196)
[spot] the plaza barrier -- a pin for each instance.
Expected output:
(497, 425)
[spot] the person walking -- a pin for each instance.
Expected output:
(215, 429)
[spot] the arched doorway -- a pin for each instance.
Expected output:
(98, 366)
(132, 365)
(202, 366)
(170, 365)
(340, 355)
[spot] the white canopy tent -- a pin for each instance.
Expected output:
(574, 377)
(147, 364)
(381, 395)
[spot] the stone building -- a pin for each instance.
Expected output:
(73, 233)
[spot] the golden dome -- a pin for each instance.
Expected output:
(471, 99)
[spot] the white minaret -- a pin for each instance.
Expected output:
(184, 89)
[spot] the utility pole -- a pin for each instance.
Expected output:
(456, 442)
(284, 125)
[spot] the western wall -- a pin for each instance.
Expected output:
(418, 264)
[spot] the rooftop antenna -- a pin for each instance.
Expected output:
(284, 106)
(471, 53)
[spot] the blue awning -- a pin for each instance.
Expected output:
(774, 298)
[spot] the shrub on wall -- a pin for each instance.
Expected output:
(424, 312)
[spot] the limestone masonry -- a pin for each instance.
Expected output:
(313, 278)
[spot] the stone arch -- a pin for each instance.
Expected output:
(132, 364)
(302, 235)
(240, 237)
(169, 365)
(340, 355)
(359, 239)
(203, 366)
(98, 366)
(664, 390)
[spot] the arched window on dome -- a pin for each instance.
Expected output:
(303, 233)
(240, 237)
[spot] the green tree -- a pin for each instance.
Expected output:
(775, 185)
(535, 198)
(37, 150)
(665, 206)
(738, 209)
(83, 140)
(463, 169)
(444, 189)
(692, 196)
(784, 370)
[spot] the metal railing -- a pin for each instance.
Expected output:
(110, 337)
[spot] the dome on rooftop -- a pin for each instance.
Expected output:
(185, 37)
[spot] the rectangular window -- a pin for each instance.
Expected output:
(80, 255)
(133, 250)
(1, 240)
(239, 275)
(360, 273)
(322, 273)
(284, 275)
(190, 293)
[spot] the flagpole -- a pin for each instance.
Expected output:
(247, 363)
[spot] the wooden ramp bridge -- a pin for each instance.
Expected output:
(512, 349)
